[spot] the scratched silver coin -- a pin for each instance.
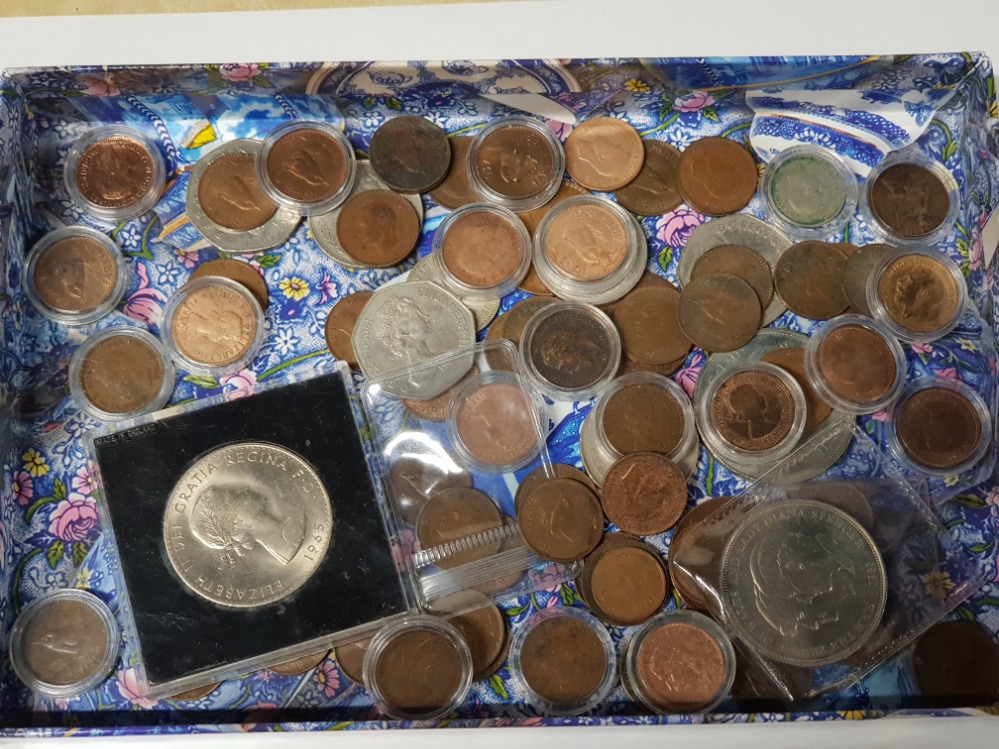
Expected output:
(483, 310)
(802, 582)
(247, 524)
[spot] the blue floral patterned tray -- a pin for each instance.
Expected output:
(50, 535)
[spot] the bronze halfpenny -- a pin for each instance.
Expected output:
(561, 471)
(918, 293)
(563, 660)
(456, 191)
(377, 228)
(75, 274)
(350, 659)
(497, 424)
(719, 312)
(655, 190)
(300, 665)
(241, 272)
(859, 267)
(484, 631)
(340, 324)
(739, 261)
(307, 165)
(515, 161)
(910, 200)
(586, 242)
(809, 278)
(65, 643)
(938, 428)
(792, 361)
(680, 667)
(604, 154)
(717, 176)
(214, 326)
(418, 671)
(644, 494)
(752, 411)
(560, 520)
(410, 154)
(571, 349)
(695, 553)
(643, 418)
(415, 479)
(231, 196)
(857, 364)
(482, 249)
(650, 329)
(453, 514)
(121, 374)
(628, 584)
(115, 172)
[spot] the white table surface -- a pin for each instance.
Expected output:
(538, 28)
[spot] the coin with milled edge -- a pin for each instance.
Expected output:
(809, 278)
(247, 525)
(410, 153)
(655, 190)
(483, 310)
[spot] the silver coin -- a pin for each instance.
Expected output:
(483, 310)
(802, 583)
(405, 325)
(741, 229)
(272, 233)
(247, 525)
(323, 227)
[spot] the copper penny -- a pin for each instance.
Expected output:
(739, 261)
(560, 519)
(197, 693)
(414, 479)
(515, 319)
(604, 154)
(436, 408)
(299, 665)
(646, 280)
(809, 278)
(532, 219)
(610, 541)
(561, 471)
(644, 494)
(307, 165)
(910, 200)
(231, 196)
(377, 228)
(214, 326)
(115, 172)
(121, 374)
(752, 410)
(586, 242)
(857, 364)
(938, 428)
(655, 190)
(453, 514)
(502, 583)
(571, 349)
(418, 671)
(65, 642)
(484, 631)
(497, 424)
(717, 176)
(482, 249)
(456, 191)
(918, 293)
(680, 667)
(241, 272)
(649, 326)
(666, 370)
(340, 324)
(563, 660)
(792, 361)
(643, 418)
(719, 312)
(410, 154)
(859, 268)
(515, 161)
(75, 274)
(695, 553)
(956, 663)
(532, 283)
(350, 659)
(629, 585)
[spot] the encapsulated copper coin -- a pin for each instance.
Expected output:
(340, 324)
(214, 326)
(197, 693)
(643, 418)
(572, 349)
(532, 218)
(560, 520)
(859, 268)
(586, 242)
(910, 200)
(809, 278)
(410, 154)
(561, 471)
(515, 161)
(122, 374)
(377, 228)
(563, 660)
(231, 195)
(415, 479)
(719, 312)
(919, 293)
(418, 671)
(65, 643)
(299, 665)
(956, 663)
(484, 631)
(695, 553)
(436, 408)
(452, 514)
(115, 172)
(350, 659)
(604, 154)
(717, 176)
(456, 191)
(792, 361)
(857, 364)
(514, 319)
(739, 261)
(752, 410)
(644, 494)
(649, 326)
(938, 428)
(655, 190)
(75, 274)
(628, 584)
(236, 270)
(307, 165)
(482, 249)
(680, 667)
(497, 424)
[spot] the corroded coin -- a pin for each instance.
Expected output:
(643, 418)
(792, 361)
(247, 525)
(717, 176)
(739, 261)
(918, 292)
(859, 268)
(752, 410)
(956, 664)
(378, 228)
(214, 325)
(695, 553)
(451, 515)
(650, 328)
(411, 154)
(299, 665)
(910, 200)
(122, 374)
(456, 191)
(340, 323)
(628, 584)
(808, 191)
(604, 154)
(719, 312)
(655, 190)
(76, 274)
(414, 479)
(497, 424)
(563, 660)
(809, 278)
(938, 428)
(857, 364)
(515, 161)
(560, 520)
(115, 172)
(644, 494)
(239, 271)
(307, 165)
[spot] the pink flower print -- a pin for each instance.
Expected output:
(187, 258)
(145, 304)
(22, 487)
(992, 500)
(674, 228)
(560, 130)
(83, 481)
(693, 102)
(73, 519)
(921, 348)
(128, 685)
(327, 288)
(948, 372)
(687, 377)
(881, 415)
(328, 678)
(244, 380)
(239, 71)
(977, 251)
(101, 87)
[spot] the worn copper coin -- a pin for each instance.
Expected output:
(436, 408)
(350, 659)
(532, 219)
(484, 631)
(695, 553)
(308, 165)
(650, 329)
(482, 249)
(938, 428)
(739, 261)
(377, 228)
(121, 374)
(610, 541)
(680, 667)
(497, 424)
(666, 370)
(533, 284)
(65, 642)
(455, 190)
(214, 326)
(655, 190)
(75, 274)
(717, 176)
(560, 519)
(197, 693)
(752, 411)
(410, 154)
(563, 660)
(919, 293)
(628, 584)
(857, 364)
(231, 196)
(809, 278)
(340, 324)
(239, 271)
(572, 349)
(646, 280)
(115, 172)
(859, 268)
(910, 200)
(515, 318)
(414, 479)
(515, 161)
(299, 665)
(604, 154)
(561, 471)
(956, 664)
(643, 418)
(453, 514)
(418, 671)
(586, 242)
(792, 361)
(644, 493)
(719, 312)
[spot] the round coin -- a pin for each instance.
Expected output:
(455, 190)
(629, 585)
(340, 324)
(378, 228)
(115, 172)
(604, 154)
(483, 249)
(560, 470)
(644, 494)
(247, 525)
(515, 319)
(414, 479)
(586, 242)
(572, 347)
(76, 275)
(809, 278)
(437, 408)
(807, 191)
(515, 162)
(308, 165)
(956, 664)
(239, 271)
(753, 411)
(909, 200)
(560, 520)
(192, 695)
(859, 268)
(918, 292)
(650, 328)
(230, 194)
(484, 631)
(792, 361)
(563, 661)
(717, 176)
(299, 665)
(454, 514)
(350, 659)
(719, 312)
(741, 262)
(496, 424)
(695, 553)
(655, 190)
(857, 364)
(122, 374)
(214, 325)
(410, 154)
(938, 428)
(532, 284)
(643, 418)
(418, 671)
(532, 218)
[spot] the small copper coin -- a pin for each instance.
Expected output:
(350, 659)
(610, 541)
(410, 154)
(604, 154)
(214, 326)
(563, 660)
(910, 200)
(299, 665)
(482, 250)
(533, 284)
(340, 324)
(414, 481)
(918, 293)
(643, 418)
(378, 228)
(752, 410)
(650, 329)
(859, 268)
(647, 279)
(938, 428)
(484, 631)
(231, 195)
(456, 191)
(857, 364)
(695, 553)
(241, 272)
(561, 471)
(436, 408)
(809, 278)
(121, 374)
(115, 172)
(644, 494)
(680, 667)
(197, 693)
(739, 261)
(717, 176)
(666, 370)
(532, 219)
(719, 312)
(560, 519)
(517, 316)
(586, 242)
(307, 165)
(65, 643)
(497, 424)
(655, 190)
(629, 585)
(75, 274)
(418, 671)
(453, 514)
(571, 349)
(792, 361)
(956, 663)
(515, 161)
